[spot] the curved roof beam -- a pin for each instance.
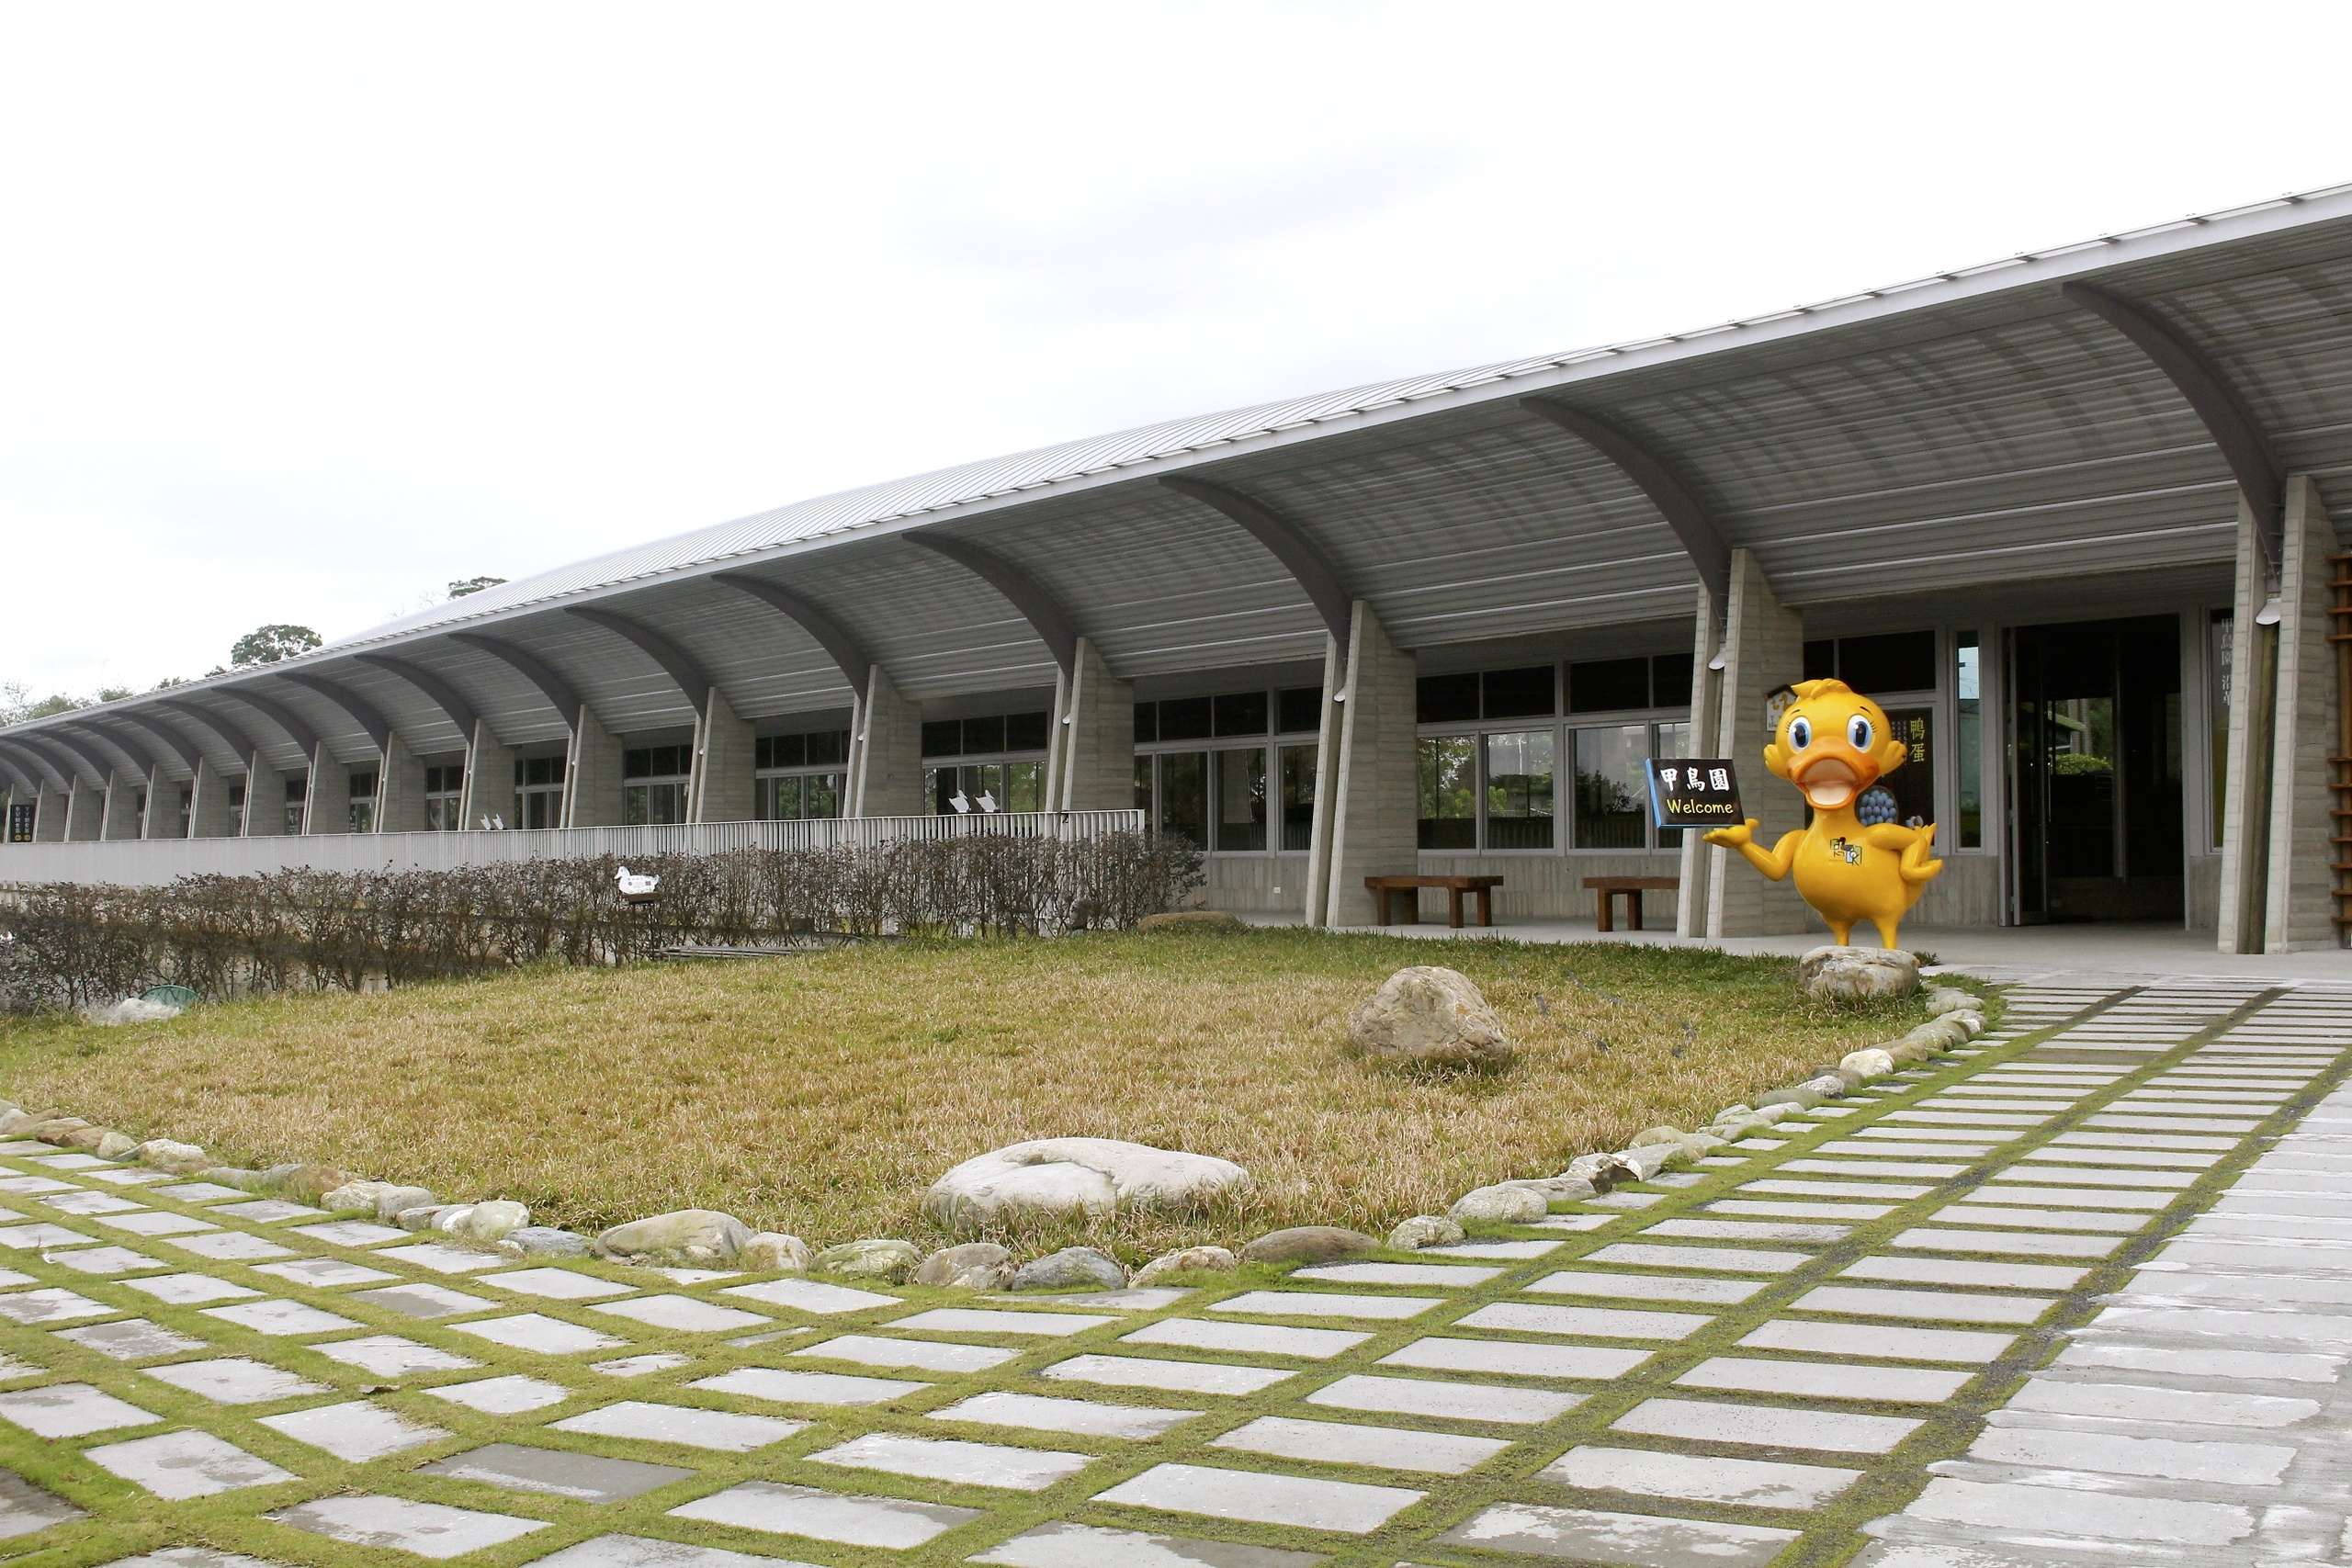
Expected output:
(305, 739)
(43, 772)
(1300, 555)
(2245, 445)
(857, 668)
(52, 743)
(85, 730)
(1701, 536)
(675, 661)
(1025, 593)
(445, 697)
(363, 713)
(244, 745)
(532, 668)
(139, 739)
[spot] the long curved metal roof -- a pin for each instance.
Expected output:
(1966, 429)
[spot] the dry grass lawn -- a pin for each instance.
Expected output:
(821, 1095)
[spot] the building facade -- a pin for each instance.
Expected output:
(2065, 516)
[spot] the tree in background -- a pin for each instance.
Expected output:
(270, 644)
(473, 585)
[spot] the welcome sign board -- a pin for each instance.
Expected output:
(1687, 791)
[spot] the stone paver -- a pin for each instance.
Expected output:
(2053, 1226)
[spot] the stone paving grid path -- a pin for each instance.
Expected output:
(1846, 1328)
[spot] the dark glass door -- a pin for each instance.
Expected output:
(2096, 780)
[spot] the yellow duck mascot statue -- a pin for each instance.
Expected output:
(1833, 743)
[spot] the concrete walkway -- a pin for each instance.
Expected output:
(2081, 1296)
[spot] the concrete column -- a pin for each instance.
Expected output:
(886, 752)
(326, 808)
(265, 799)
(122, 809)
(1699, 857)
(163, 818)
(50, 814)
(1094, 757)
(1763, 649)
(490, 779)
(208, 816)
(1375, 814)
(592, 775)
(1317, 908)
(85, 812)
(400, 790)
(2245, 784)
(2300, 906)
(723, 788)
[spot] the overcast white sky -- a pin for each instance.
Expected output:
(306, 310)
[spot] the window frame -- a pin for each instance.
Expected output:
(1273, 742)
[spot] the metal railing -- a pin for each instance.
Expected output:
(147, 862)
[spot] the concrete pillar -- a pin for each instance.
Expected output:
(163, 818)
(1095, 755)
(886, 752)
(490, 779)
(122, 811)
(50, 814)
(265, 799)
(592, 775)
(208, 816)
(1699, 857)
(86, 812)
(1763, 650)
(2245, 786)
(1374, 814)
(326, 808)
(2300, 907)
(723, 788)
(400, 790)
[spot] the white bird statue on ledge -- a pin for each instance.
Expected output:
(638, 889)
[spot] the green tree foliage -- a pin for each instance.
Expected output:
(473, 585)
(268, 645)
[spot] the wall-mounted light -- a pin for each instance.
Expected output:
(2270, 613)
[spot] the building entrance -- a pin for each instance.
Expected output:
(2095, 786)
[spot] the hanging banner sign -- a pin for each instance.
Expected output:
(1694, 792)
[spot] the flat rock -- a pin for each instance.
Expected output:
(1186, 1260)
(887, 1261)
(1857, 974)
(1308, 1243)
(685, 1236)
(974, 1266)
(1072, 1268)
(1097, 1176)
(1498, 1205)
(1424, 1230)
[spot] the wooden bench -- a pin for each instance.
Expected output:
(1482, 888)
(1607, 888)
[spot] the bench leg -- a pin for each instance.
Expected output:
(1486, 906)
(1606, 917)
(1380, 897)
(1634, 908)
(1453, 907)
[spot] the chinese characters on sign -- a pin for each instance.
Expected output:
(1693, 792)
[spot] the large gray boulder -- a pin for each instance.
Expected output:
(1429, 1016)
(1095, 1176)
(1857, 974)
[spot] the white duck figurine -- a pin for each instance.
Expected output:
(635, 886)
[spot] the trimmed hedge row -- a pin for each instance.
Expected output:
(65, 944)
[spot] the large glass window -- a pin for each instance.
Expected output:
(1519, 789)
(987, 788)
(445, 788)
(297, 795)
(1448, 791)
(1968, 680)
(799, 777)
(1185, 795)
(1241, 796)
(539, 792)
(1298, 798)
(1002, 782)
(654, 781)
(1612, 787)
(363, 802)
